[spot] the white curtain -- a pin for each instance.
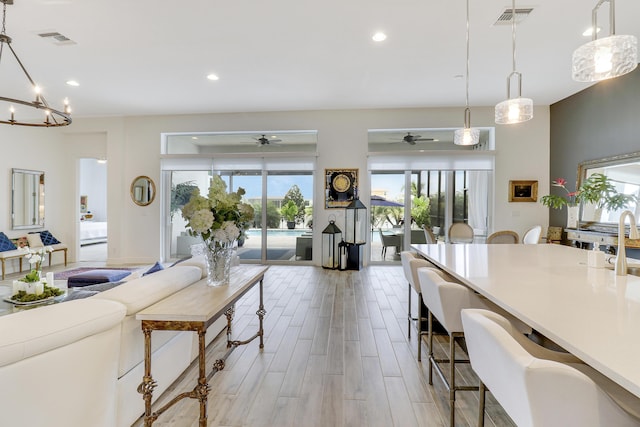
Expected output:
(478, 184)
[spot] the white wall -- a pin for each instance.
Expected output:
(133, 148)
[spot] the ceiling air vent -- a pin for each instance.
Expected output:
(56, 38)
(505, 17)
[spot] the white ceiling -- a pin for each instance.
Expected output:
(143, 57)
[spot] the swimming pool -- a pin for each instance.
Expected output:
(277, 232)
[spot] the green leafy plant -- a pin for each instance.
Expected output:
(597, 189)
(420, 211)
(289, 211)
(180, 195)
(294, 194)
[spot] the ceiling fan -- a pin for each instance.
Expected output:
(263, 140)
(412, 139)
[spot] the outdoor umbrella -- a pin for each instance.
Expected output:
(381, 201)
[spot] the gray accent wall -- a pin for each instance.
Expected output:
(600, 121)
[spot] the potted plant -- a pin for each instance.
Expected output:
(597, 189)
(289, 212)
(420, 210)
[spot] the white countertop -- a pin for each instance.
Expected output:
(591, 312)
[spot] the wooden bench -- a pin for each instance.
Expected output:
(16, 253)
(20, 253)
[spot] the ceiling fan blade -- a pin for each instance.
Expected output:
(424, 139)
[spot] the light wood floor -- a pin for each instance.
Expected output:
(336, 354)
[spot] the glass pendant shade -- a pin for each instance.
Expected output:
(514, 110)
(605, 58)
(466, 136)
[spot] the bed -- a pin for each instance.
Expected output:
(92, 232)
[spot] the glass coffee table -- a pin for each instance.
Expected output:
(7, 307)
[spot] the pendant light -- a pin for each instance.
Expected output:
(20, 110)
(467, 135)
(514, 110)
(604, 58)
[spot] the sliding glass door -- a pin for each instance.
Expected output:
(404, 202)
(283, 203)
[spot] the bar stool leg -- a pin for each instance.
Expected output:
(409, 317)
(430, 334)
(452, 375)
(481, 405)
(419, 327)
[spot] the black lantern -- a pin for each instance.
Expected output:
(331, 238)
(355, 233)
(356, 223)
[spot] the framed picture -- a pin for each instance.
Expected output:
(341, 187)
(83, 204)
(523, 191)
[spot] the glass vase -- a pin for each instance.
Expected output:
(218, 265)
(572, 216)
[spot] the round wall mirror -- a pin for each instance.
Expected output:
(143, 191)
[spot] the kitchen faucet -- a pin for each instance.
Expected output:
(621, 258)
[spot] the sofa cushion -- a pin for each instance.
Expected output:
(154, 269)
(13, 253)
(31, 332)
(181, 260)
(196, 261)
(141, 293)
(5, 243)
(34, 240)
(92, 277)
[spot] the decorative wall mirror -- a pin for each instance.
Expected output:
(27, 199)
(624, 173)
(143, 190)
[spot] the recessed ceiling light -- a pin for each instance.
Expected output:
(213, 77)
(589, 31)
(194, 137)
(379, 37)
(73, 83)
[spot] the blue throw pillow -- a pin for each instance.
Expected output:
(156, 267)
(5, 243)
(48, 239)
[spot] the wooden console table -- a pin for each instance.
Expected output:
(195, 308)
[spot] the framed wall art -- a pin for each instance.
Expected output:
(523, 191)
(341, 186)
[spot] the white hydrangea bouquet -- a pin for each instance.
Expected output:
(219, 219)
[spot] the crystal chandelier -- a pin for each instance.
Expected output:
(514, 110)
(604, 58)
(467, 135)
(52, 117)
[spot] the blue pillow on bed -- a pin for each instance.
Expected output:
(5, 243)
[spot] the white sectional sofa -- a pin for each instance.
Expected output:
(58, 365)
(172, 351)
